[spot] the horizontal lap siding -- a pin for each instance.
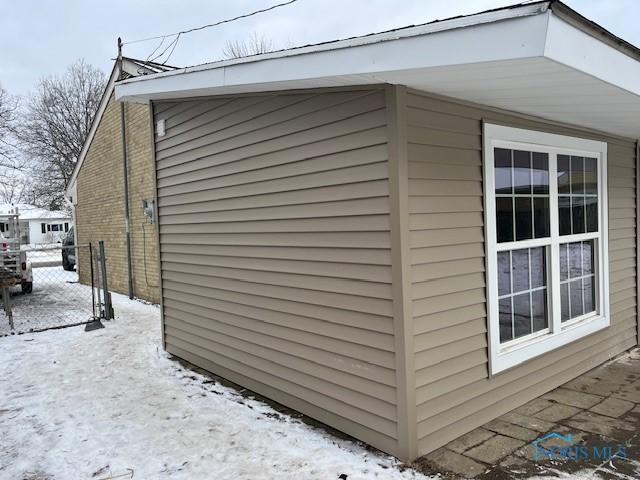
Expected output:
(453, 392)
(274, 239)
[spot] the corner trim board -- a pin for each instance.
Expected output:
(396, 101)
(157, 229)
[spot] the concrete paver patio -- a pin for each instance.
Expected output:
(566, 432)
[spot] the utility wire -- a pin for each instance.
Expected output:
(173, 42)
(172, 45)
(156, 49)
(273, 7)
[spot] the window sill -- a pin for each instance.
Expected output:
(528, 350)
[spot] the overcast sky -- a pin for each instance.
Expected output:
(41, 37)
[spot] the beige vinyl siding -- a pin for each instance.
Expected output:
(453, 391)
(275, 250)
(280, 216)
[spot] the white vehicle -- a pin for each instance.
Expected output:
(12, 256)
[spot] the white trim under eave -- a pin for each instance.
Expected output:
(396, 34)
(570, 46)
(354, 63)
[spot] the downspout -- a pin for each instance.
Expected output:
(71, 200)
(125, 164)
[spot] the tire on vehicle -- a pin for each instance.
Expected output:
(66, 264)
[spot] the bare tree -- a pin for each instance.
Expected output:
(254, 45)
(12, 182)
(53, 126)
(14, 187)
(8, 107)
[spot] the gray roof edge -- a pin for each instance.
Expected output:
(557, 7)
(460, 21)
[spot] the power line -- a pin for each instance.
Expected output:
(228, 20)
(173, 42)
(156, 49)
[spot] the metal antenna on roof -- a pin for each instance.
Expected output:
(119, 60)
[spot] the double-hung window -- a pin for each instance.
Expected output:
(546, 241)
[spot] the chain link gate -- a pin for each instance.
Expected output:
(53, 287)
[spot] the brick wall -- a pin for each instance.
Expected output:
(141, 185)
(100, 201)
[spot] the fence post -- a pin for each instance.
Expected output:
(93, 293)
(6, 300)
(108, 308)
(95, 322)
(98, 285)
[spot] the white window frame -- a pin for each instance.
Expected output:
(506, 356)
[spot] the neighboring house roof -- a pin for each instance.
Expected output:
(31, 212)
(541, 59)
(131, 67)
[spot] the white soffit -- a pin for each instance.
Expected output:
(524, 59)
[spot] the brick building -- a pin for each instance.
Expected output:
(97, 190)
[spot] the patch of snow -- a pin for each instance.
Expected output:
(110, 402)
(42, 257)
(627, 358)
(31, 212)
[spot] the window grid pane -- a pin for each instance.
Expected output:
(577, 179)
(577, 291)
(522, 195)
(522, 303)
(522, 198)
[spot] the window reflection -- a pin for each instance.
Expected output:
(578, 195)
(577, 279)
(522, 194)
(522, 290)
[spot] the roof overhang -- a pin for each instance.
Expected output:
(540, 59)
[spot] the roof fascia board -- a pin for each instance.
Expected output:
(595, 57)
(518, 38)
(569, 15)
(514, 37)
(433, 27)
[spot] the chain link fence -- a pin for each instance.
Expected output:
(41, 288)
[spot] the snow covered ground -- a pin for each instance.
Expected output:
(45, 258)
(43, 254)
(110, 404)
